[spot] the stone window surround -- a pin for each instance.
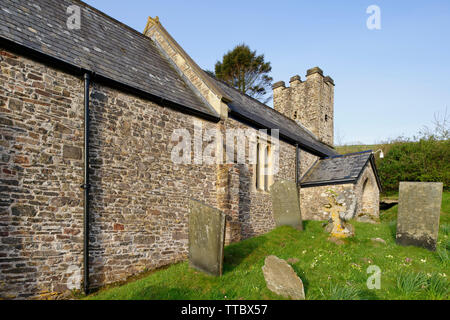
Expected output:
(264, 158)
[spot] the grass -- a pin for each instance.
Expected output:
(328, 271)
(411, 282)
(336, 292)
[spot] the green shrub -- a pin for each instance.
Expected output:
(425, 160)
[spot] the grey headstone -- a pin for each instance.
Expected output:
(419, 211)
(282, 279)
(206, 238)
(286, 204)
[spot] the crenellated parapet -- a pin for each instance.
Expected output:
(309, 102)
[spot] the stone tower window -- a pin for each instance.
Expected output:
(326, 118)
(295, 115)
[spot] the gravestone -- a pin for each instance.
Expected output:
(282, 279)
(206, 238)
(338, 228)
(419, 209)
(286, 204)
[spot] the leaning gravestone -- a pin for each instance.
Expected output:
(206, 238)
(419, 208)
(286, 204)
(282, 279)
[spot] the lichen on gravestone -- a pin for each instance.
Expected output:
(336, 226)
(419, 211)
(206, 238)
(286, 204)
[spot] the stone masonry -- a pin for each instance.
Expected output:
(361, 200)
(310, 102)
(139, 205)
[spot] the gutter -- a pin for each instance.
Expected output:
(328, 183)
(73, 69)
(297, 180)
(86, 186)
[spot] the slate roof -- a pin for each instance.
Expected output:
(119, 53)
(252, 110)
(339, 169)
(103, 45)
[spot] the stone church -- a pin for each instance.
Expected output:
(89, 192)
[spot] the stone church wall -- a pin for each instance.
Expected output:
(251, 213)
(139, 197)
(361, 200)
(314, 199)
(310, 102)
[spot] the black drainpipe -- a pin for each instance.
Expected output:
(86, 184)
(297, 183)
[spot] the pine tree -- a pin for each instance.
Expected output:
(243, 69)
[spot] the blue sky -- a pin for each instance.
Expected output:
(389, 82)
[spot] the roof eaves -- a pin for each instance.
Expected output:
(327, 182)
(263, 123)
(348, 154)
(76, 70)
(375, 170)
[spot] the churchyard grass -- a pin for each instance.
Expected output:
(328, 270)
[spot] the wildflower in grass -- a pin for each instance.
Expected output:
(389, 256)
(405, 264)
(408, 260)
(356, 266)
(304, 251)
(423, 260)
(314, 263)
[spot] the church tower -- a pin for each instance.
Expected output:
(310, 103)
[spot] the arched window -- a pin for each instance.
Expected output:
(264, 176)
